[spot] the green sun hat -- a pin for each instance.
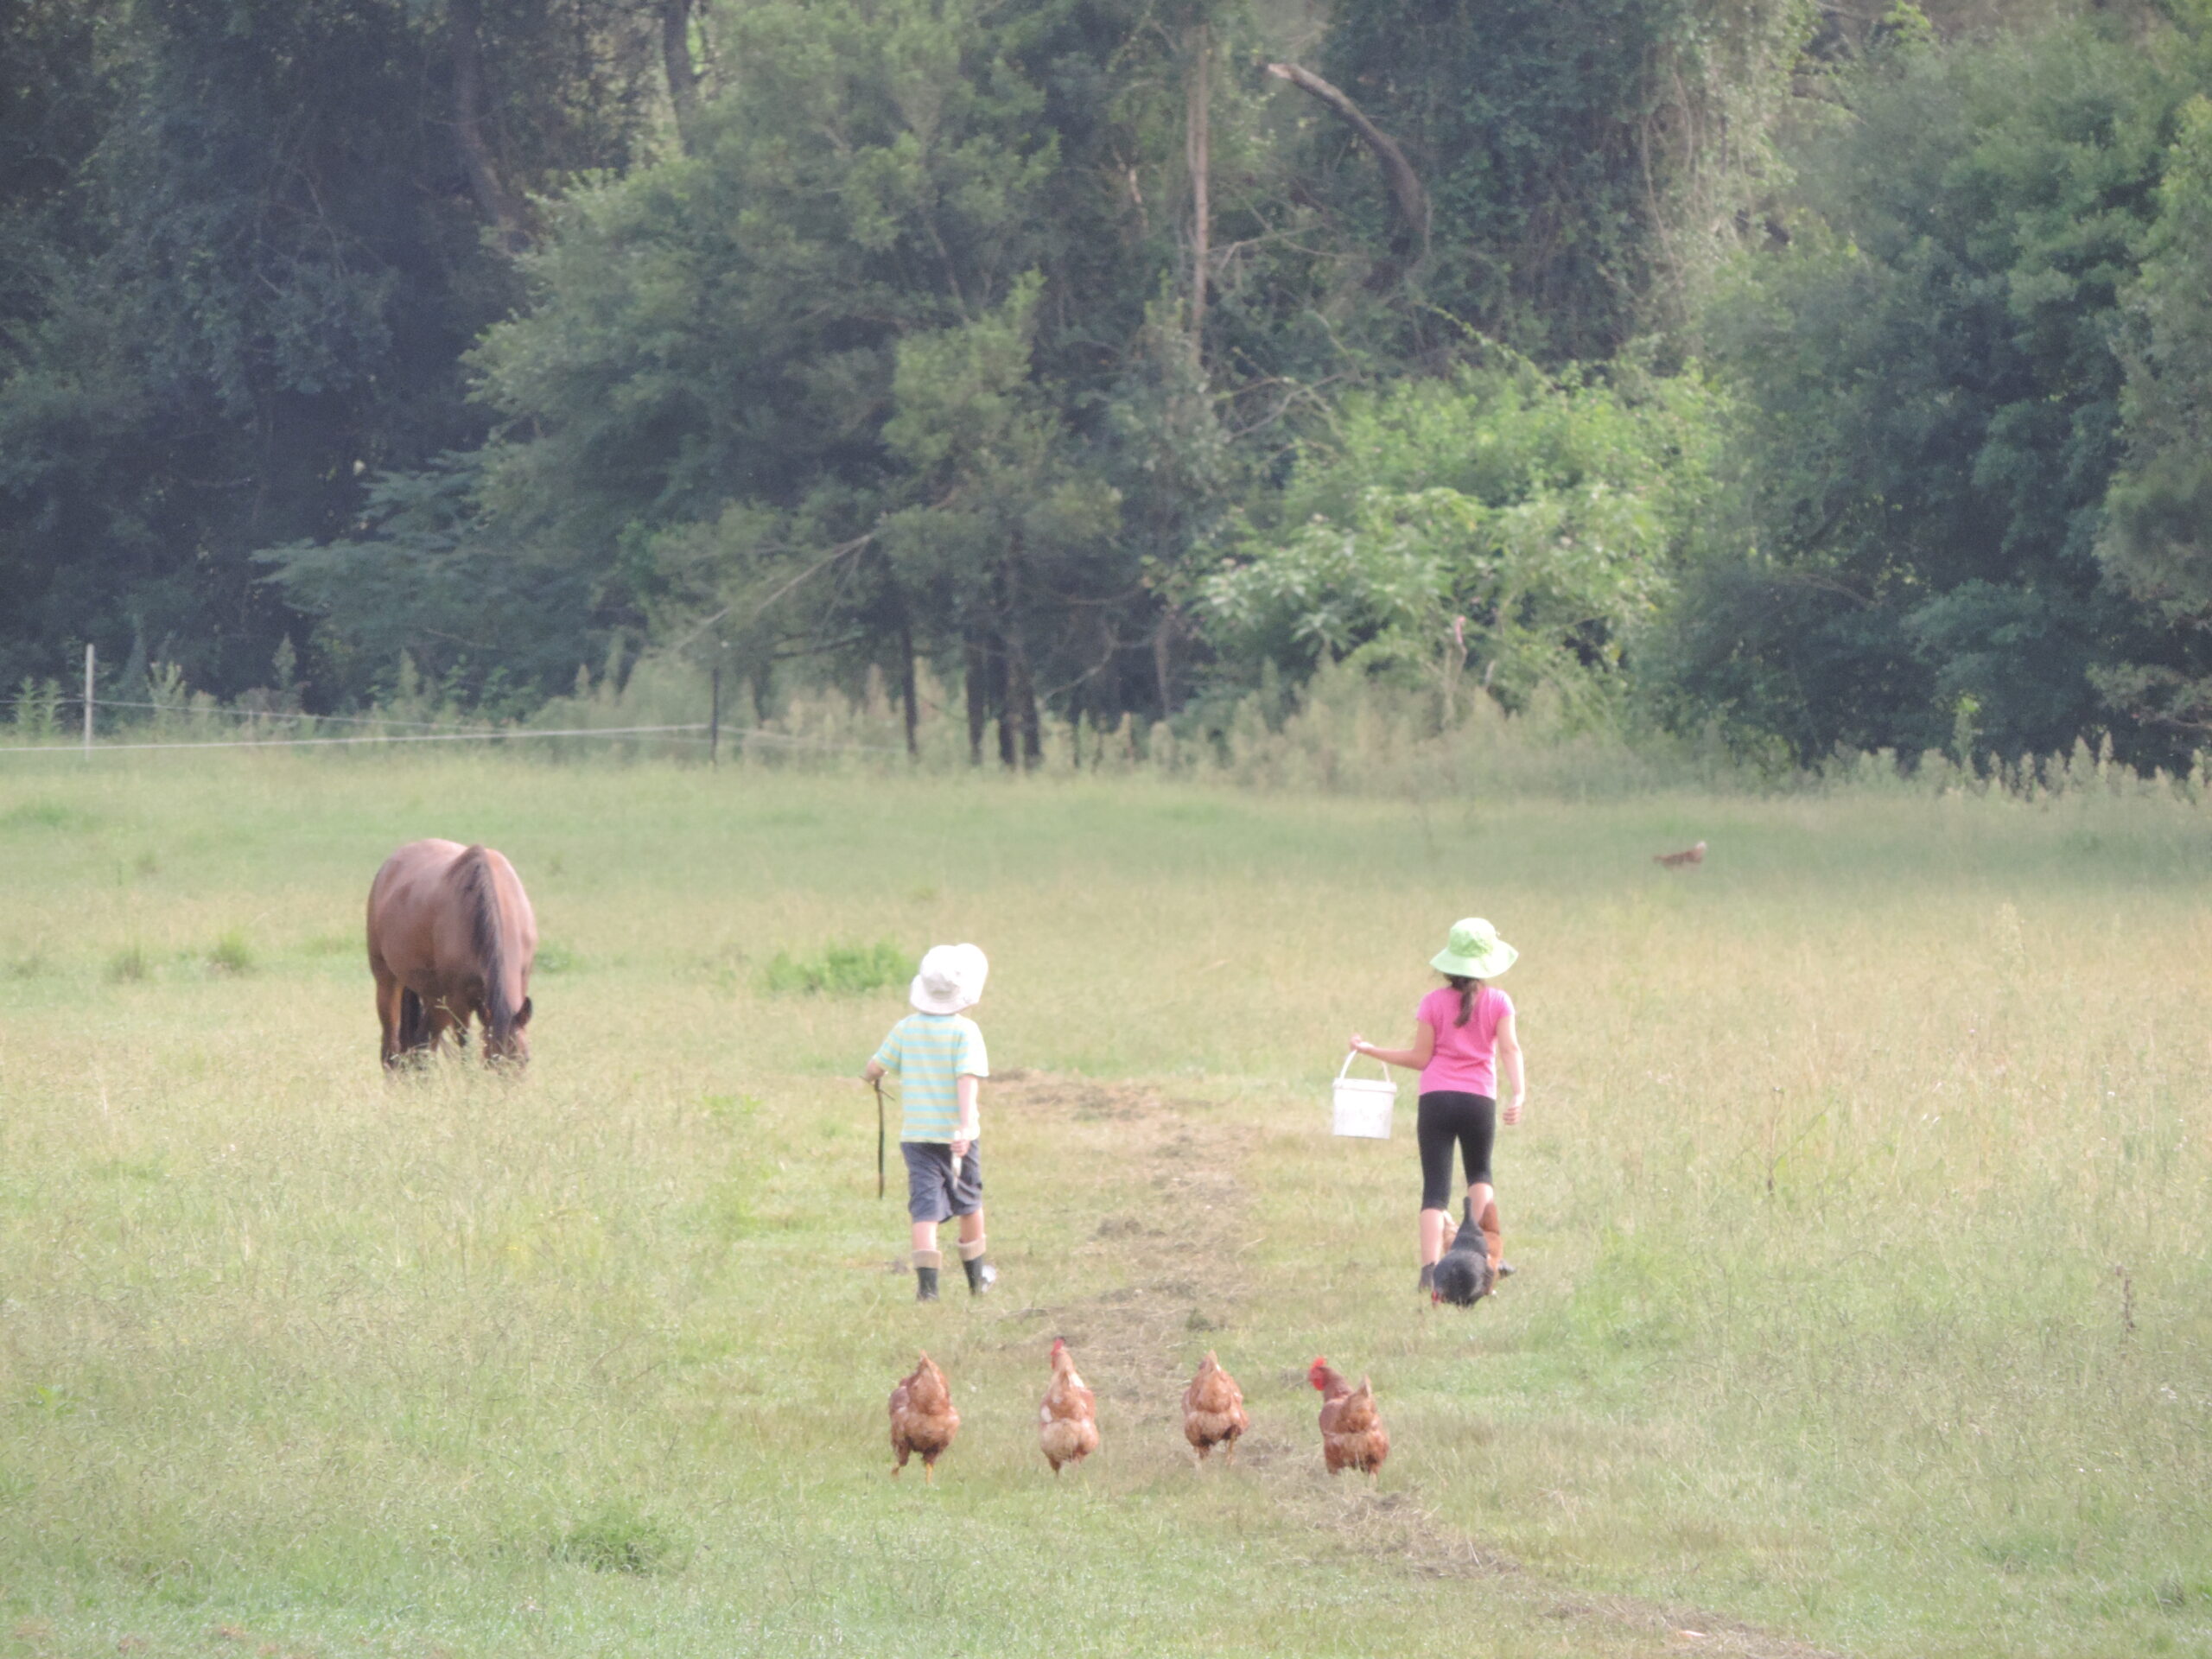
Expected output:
(1474, 951)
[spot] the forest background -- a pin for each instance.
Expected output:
(1797, 378)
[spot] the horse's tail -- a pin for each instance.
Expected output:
(480, 891)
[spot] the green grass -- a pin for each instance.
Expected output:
(1866, 1288)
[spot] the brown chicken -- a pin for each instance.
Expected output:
(1213, 1411)
(923, 1417)
(1067, 1423)
(1675, 861)
(1352, 1435)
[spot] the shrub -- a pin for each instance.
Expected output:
(231, 953)
(837, 971)
(619, 1539)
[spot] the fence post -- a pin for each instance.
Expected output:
(714, 716)
(88, 703)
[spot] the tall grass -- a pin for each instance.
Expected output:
(1860, 1214)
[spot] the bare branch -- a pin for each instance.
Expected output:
(1406, 191)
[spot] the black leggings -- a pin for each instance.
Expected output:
(1446, 1116)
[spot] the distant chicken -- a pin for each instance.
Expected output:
(1067, 1423)
(923, 1417)
(1675, 861)
(1352, 1435)
(1213, 1411)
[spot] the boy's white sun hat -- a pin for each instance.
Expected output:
(951, 978)
(1474, 951)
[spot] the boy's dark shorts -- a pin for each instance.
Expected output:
(932, 1194)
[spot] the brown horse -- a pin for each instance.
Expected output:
(451, 936)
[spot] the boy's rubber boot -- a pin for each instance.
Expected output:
(982, 1275)
(926, 1263)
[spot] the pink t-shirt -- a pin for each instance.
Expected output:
(1465, 1060)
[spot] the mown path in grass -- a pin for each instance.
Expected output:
(1186, 1170)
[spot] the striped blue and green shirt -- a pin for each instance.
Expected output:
(928, 1052)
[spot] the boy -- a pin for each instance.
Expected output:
(937, 1053)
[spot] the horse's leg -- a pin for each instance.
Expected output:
(460, 1014)
(444, 1018)
(388, 1011)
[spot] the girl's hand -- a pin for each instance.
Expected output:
(1358, 1043)
(1513, 1114)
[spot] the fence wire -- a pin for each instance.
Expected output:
(63, 746)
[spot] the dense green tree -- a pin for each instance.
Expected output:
(869, 371)
(1497, 523)
(1584, 160)
(252, 289)
(1930, 403)
(2157, 537)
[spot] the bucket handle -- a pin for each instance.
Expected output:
(1354, 1054)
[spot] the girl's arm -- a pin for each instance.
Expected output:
(1415, 1055)
(1509, 1066)
(963, 1092)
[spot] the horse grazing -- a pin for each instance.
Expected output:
(451, 936)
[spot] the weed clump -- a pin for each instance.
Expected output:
(837, 971)
(128, 965)
(231, 953)
(619, 1539)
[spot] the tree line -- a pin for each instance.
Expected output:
(1809, 375)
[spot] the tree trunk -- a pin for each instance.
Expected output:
(1197, 146)
(1163, 646)
(499, 204)
(1405, 184)
(909, 695)
(1021, 709)
(979, 693)
(1017, 684)
(682, 73)
(1001, 664)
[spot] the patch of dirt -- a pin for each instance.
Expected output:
(1181, 1263)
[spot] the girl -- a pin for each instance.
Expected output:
(1465, 1031)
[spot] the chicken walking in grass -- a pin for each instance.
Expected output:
(923, 1418)
(1352, 1435)
(1675, 861)
(1067, 1423)
(1464, 1273)
(1213, 1411)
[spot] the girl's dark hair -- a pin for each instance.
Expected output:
(1469, 989)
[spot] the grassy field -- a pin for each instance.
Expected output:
(1862, 1209)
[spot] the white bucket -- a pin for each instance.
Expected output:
(1361, 1106)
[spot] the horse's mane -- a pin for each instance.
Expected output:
(480, 890)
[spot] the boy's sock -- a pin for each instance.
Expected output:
(982, 1275)
(926, 1263)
